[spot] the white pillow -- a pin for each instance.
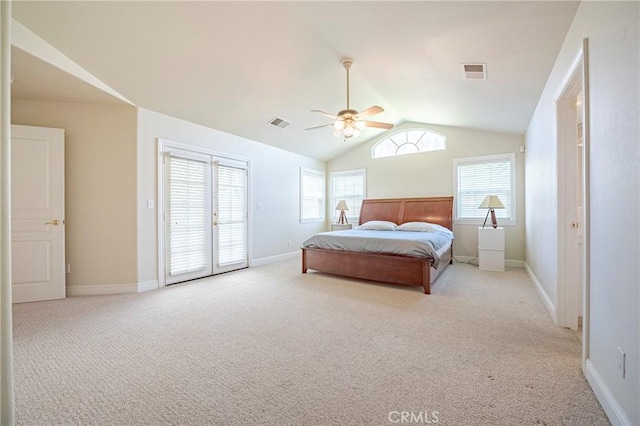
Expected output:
(422, 227)
(377, 225)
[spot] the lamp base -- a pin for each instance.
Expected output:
(343, 218)
(494, 222)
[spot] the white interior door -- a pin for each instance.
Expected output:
(571, 200)
(580, 258)
(37, 214)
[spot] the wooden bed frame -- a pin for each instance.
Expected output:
(393, 269)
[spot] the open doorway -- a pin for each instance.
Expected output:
(573, 199)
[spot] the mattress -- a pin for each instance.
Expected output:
(430, 245)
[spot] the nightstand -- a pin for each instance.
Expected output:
(337, 227)
(491, 249)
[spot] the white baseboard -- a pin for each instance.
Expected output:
(148, 285)
(614, 411)
(277, 258)
(105, 289)
(546, 300)
(101, 289)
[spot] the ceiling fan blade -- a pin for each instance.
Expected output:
(373, 110)
(317, 127)
(378, 124)
(324, 113)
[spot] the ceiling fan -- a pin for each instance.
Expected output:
(349, 122)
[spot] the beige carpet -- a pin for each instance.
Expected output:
(271, 346)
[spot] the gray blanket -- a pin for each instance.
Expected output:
(415, 244)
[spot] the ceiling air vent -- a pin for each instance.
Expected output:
(280, 122)
(474, 71)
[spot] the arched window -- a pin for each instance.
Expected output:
(409, 142)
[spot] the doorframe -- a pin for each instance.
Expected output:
(576, 80)
(165, 145)
(7, 396)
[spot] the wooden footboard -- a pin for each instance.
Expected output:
(375, 267)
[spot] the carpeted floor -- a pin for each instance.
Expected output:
(270, 346)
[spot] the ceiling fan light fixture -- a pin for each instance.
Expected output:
(349, 122)
(352, 128)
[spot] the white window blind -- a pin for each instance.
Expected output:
(350, 187)
(232, 215)
(311, 195)
(478, 177)
(187, 198)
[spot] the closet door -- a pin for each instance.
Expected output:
(230, 230)
(187, 197)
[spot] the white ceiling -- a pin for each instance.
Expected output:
(234, 66)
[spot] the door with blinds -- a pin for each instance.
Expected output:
(205, 215)
(230, 224)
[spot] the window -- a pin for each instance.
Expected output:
(311, 195)
(477, 177)
(350, 187)
(409, 142)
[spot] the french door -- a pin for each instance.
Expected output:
(205, 215)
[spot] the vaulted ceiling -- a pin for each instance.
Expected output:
(234, 66)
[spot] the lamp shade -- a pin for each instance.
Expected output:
(342, 205)
(491, 202)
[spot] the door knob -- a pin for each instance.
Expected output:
(54, 222)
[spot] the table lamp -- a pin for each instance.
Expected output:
(342, 206)
(491, 202)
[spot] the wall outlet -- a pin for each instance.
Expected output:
(68, 268)
(622, 359)
(289, 243)
(149, 204)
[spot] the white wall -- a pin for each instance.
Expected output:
(430, 174)
(613, 32)
(274, 184)
(100, 181)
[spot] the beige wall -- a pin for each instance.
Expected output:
(431, 174)
(111, 172)
(100, 185)
(274, 184)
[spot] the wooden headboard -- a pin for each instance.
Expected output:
(400, 210)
